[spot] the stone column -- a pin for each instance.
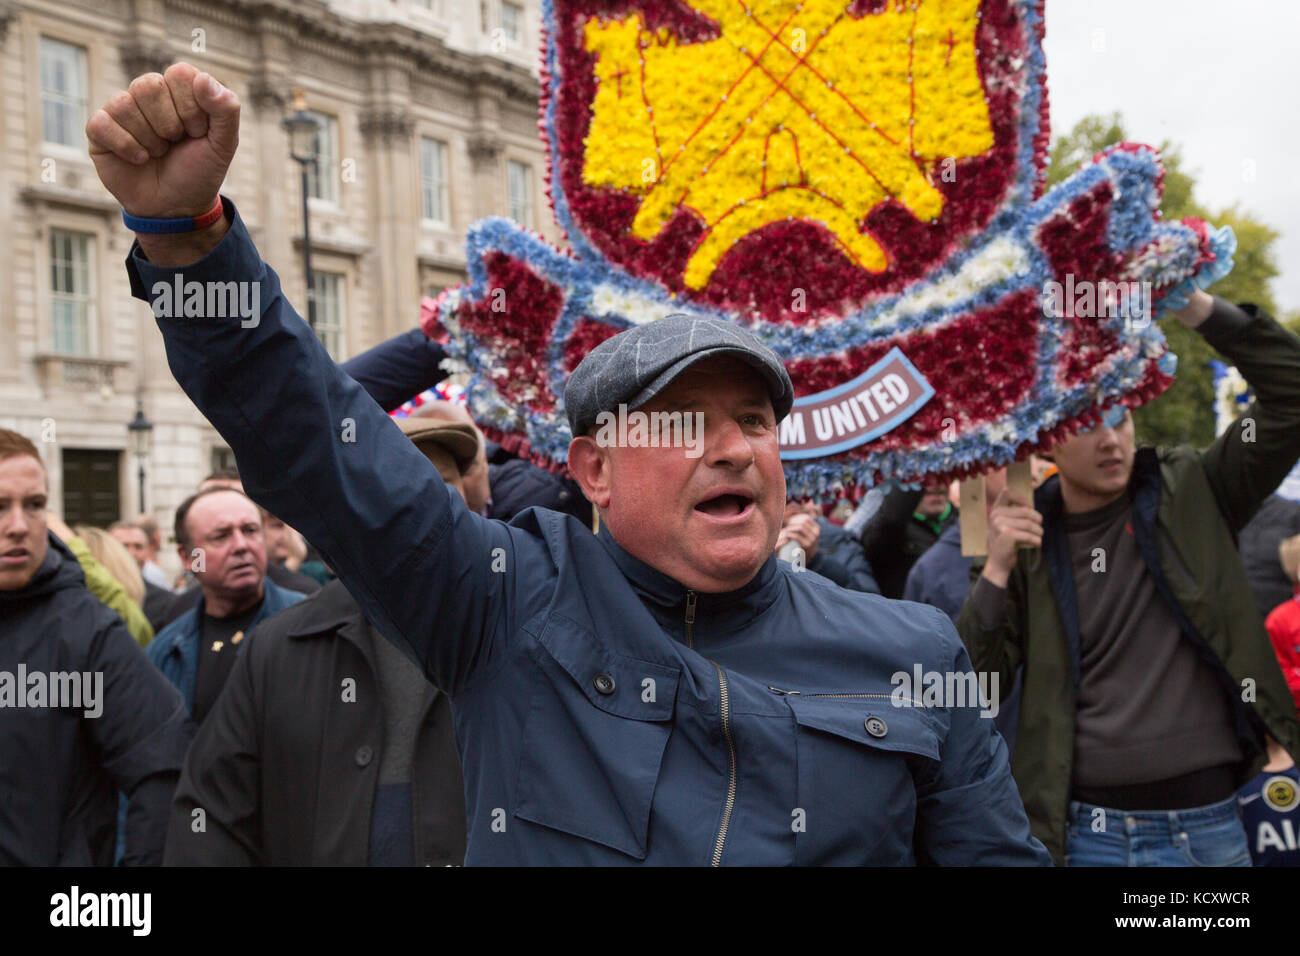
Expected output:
(394, 203)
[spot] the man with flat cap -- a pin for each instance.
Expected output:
(663, 692)
(328, 746)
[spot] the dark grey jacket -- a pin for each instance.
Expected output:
(286, 769)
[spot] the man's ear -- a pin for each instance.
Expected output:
(590, 468)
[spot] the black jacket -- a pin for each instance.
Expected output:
(158, 606)
(286, 770)
(894, 540)
(60, 770)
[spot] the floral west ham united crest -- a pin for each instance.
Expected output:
(860, 185)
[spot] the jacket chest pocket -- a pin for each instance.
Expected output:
(594, 739)
(857, 761)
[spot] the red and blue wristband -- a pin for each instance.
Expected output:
(164, 227)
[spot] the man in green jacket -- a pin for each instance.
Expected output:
(1150, 684)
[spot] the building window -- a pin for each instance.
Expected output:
(512, 21)
(323, 179)
(63, 92)
(327, 291)
(433, 180)
(71, 291)
(222, 458)
(519, 192)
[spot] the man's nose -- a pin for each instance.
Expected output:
(13, 524)
(1107, 438)
(727, 445)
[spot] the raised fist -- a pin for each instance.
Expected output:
(163, 145)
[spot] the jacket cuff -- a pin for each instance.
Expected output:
(1225, 321)
(233, 257)
(989, 601)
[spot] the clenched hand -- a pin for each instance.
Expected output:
(162, 148)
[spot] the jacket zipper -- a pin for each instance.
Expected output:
(798, 693)
(691, 597)
(724, 710)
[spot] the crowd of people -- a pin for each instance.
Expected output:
(316, 741)
(409, 647)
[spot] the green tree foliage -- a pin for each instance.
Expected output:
(1185, 412)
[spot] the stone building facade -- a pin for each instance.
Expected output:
(429, 122)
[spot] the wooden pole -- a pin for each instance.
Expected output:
(974, 513)
(973, 518)
(1020, 481)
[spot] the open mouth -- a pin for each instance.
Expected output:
(726, 505)
(14, 555)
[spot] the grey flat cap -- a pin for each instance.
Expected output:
(632, 367)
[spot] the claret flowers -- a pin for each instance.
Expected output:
(844, 178)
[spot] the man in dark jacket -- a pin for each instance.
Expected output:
(197, 650)
(826, 548)
(82, 713)
(1150, 684)
(904, 527)
(329, 747)
(663, 692)
(1278, 518)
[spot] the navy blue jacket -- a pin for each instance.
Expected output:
(840, 557)
(398, 369)
(604, 713)
(941, 576)
(402, 367)
(59, 766)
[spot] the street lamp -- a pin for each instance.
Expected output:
(302, 128)
(141, 430)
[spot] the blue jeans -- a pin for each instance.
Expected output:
(1202, 836)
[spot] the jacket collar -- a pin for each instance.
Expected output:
(187, 628)
(59, 570)
(666, 597)
(332, 610)
(1143, 487)
(329, 608)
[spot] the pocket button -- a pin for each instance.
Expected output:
(875, 726)
(604, 684)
